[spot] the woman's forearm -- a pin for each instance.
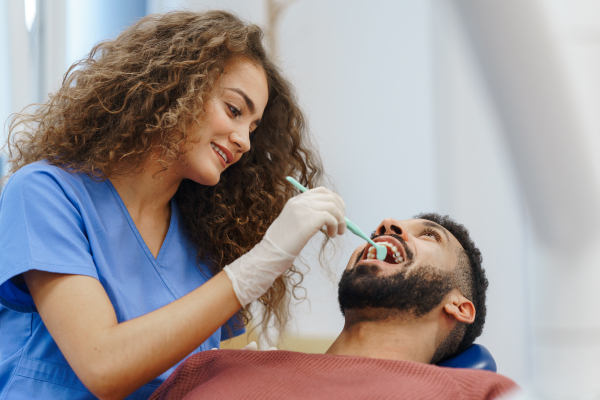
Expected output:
(112, 359)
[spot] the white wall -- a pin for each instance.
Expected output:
(477, 186)
(5, 73)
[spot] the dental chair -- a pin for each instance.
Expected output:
(474, 357)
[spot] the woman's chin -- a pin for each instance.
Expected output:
(209, 182)
(205, 179)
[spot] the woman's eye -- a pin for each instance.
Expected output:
(235, 111)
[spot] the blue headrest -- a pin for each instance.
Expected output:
(475, 357)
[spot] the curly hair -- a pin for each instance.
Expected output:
(471, 282)
(136, 95)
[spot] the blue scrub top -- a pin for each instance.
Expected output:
(56, 221)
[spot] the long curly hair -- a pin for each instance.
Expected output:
(136, 95)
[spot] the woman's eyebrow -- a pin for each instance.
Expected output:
(247, 99)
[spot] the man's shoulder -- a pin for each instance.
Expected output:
(329, 376)
(476, 379)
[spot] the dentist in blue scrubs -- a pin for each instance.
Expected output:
(147, 207)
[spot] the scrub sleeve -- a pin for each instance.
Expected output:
(56, 221)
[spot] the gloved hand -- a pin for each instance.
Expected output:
(301, 217)
(252, 346)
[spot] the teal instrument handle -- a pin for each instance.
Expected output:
(297, 184)
(381, 250)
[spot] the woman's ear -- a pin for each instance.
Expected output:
(460, 308)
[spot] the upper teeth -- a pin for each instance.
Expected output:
(218, 150)
(397, 256)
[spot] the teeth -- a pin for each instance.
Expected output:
(221, 153)
(396, 254)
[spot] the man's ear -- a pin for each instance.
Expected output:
(460, 308)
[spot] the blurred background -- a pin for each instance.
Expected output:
(486, 112)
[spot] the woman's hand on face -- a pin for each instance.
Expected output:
(304, 215)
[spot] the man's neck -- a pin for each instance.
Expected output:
(388, 338)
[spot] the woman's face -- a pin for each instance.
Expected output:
(233, 111)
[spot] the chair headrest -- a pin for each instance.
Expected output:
(474, 357)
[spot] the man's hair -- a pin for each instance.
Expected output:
(471, 280)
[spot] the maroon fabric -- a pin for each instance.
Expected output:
(244, 374)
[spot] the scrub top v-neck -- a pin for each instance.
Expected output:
(56, 221)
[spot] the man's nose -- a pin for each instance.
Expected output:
(241, 141)
(391, 226)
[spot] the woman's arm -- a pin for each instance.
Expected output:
(111, 359)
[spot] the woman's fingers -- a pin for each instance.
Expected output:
(251, 346)
(328, 193)
(326, 213)
(331, 222)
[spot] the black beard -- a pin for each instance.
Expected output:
(417, 294)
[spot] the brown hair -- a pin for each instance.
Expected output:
(136, 95)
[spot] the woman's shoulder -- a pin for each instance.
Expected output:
(42, 171)
(43, 178)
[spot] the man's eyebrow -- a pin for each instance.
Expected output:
(247, 99)
(432, 224)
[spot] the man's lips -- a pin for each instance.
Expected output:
(389, 239)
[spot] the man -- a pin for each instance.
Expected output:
(424, 303)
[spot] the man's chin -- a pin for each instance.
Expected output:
(365, 286)
(364, 268)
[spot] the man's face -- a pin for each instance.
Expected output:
(415, 276)
(420, 242)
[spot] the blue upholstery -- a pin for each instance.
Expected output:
(475, 357)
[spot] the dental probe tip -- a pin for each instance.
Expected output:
(381, 251)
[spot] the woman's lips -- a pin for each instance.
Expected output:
(225, 151)
(220, 158)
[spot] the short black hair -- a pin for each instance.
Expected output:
(476, 275)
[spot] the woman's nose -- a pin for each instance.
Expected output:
(241, 141)
(390, 226)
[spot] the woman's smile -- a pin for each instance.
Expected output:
(224, 155)
(233, 110)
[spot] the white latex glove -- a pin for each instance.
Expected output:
(254, 347)
(302, 216)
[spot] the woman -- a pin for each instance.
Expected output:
(161, 160)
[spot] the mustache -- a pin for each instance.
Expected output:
(409, 253)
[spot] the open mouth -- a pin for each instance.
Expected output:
(395, 250)
(224, 153)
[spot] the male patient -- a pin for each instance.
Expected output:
(424, 303)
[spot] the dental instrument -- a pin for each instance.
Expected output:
(381, 250)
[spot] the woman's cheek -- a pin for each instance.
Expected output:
(218, 120)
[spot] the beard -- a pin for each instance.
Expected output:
(413, 294)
